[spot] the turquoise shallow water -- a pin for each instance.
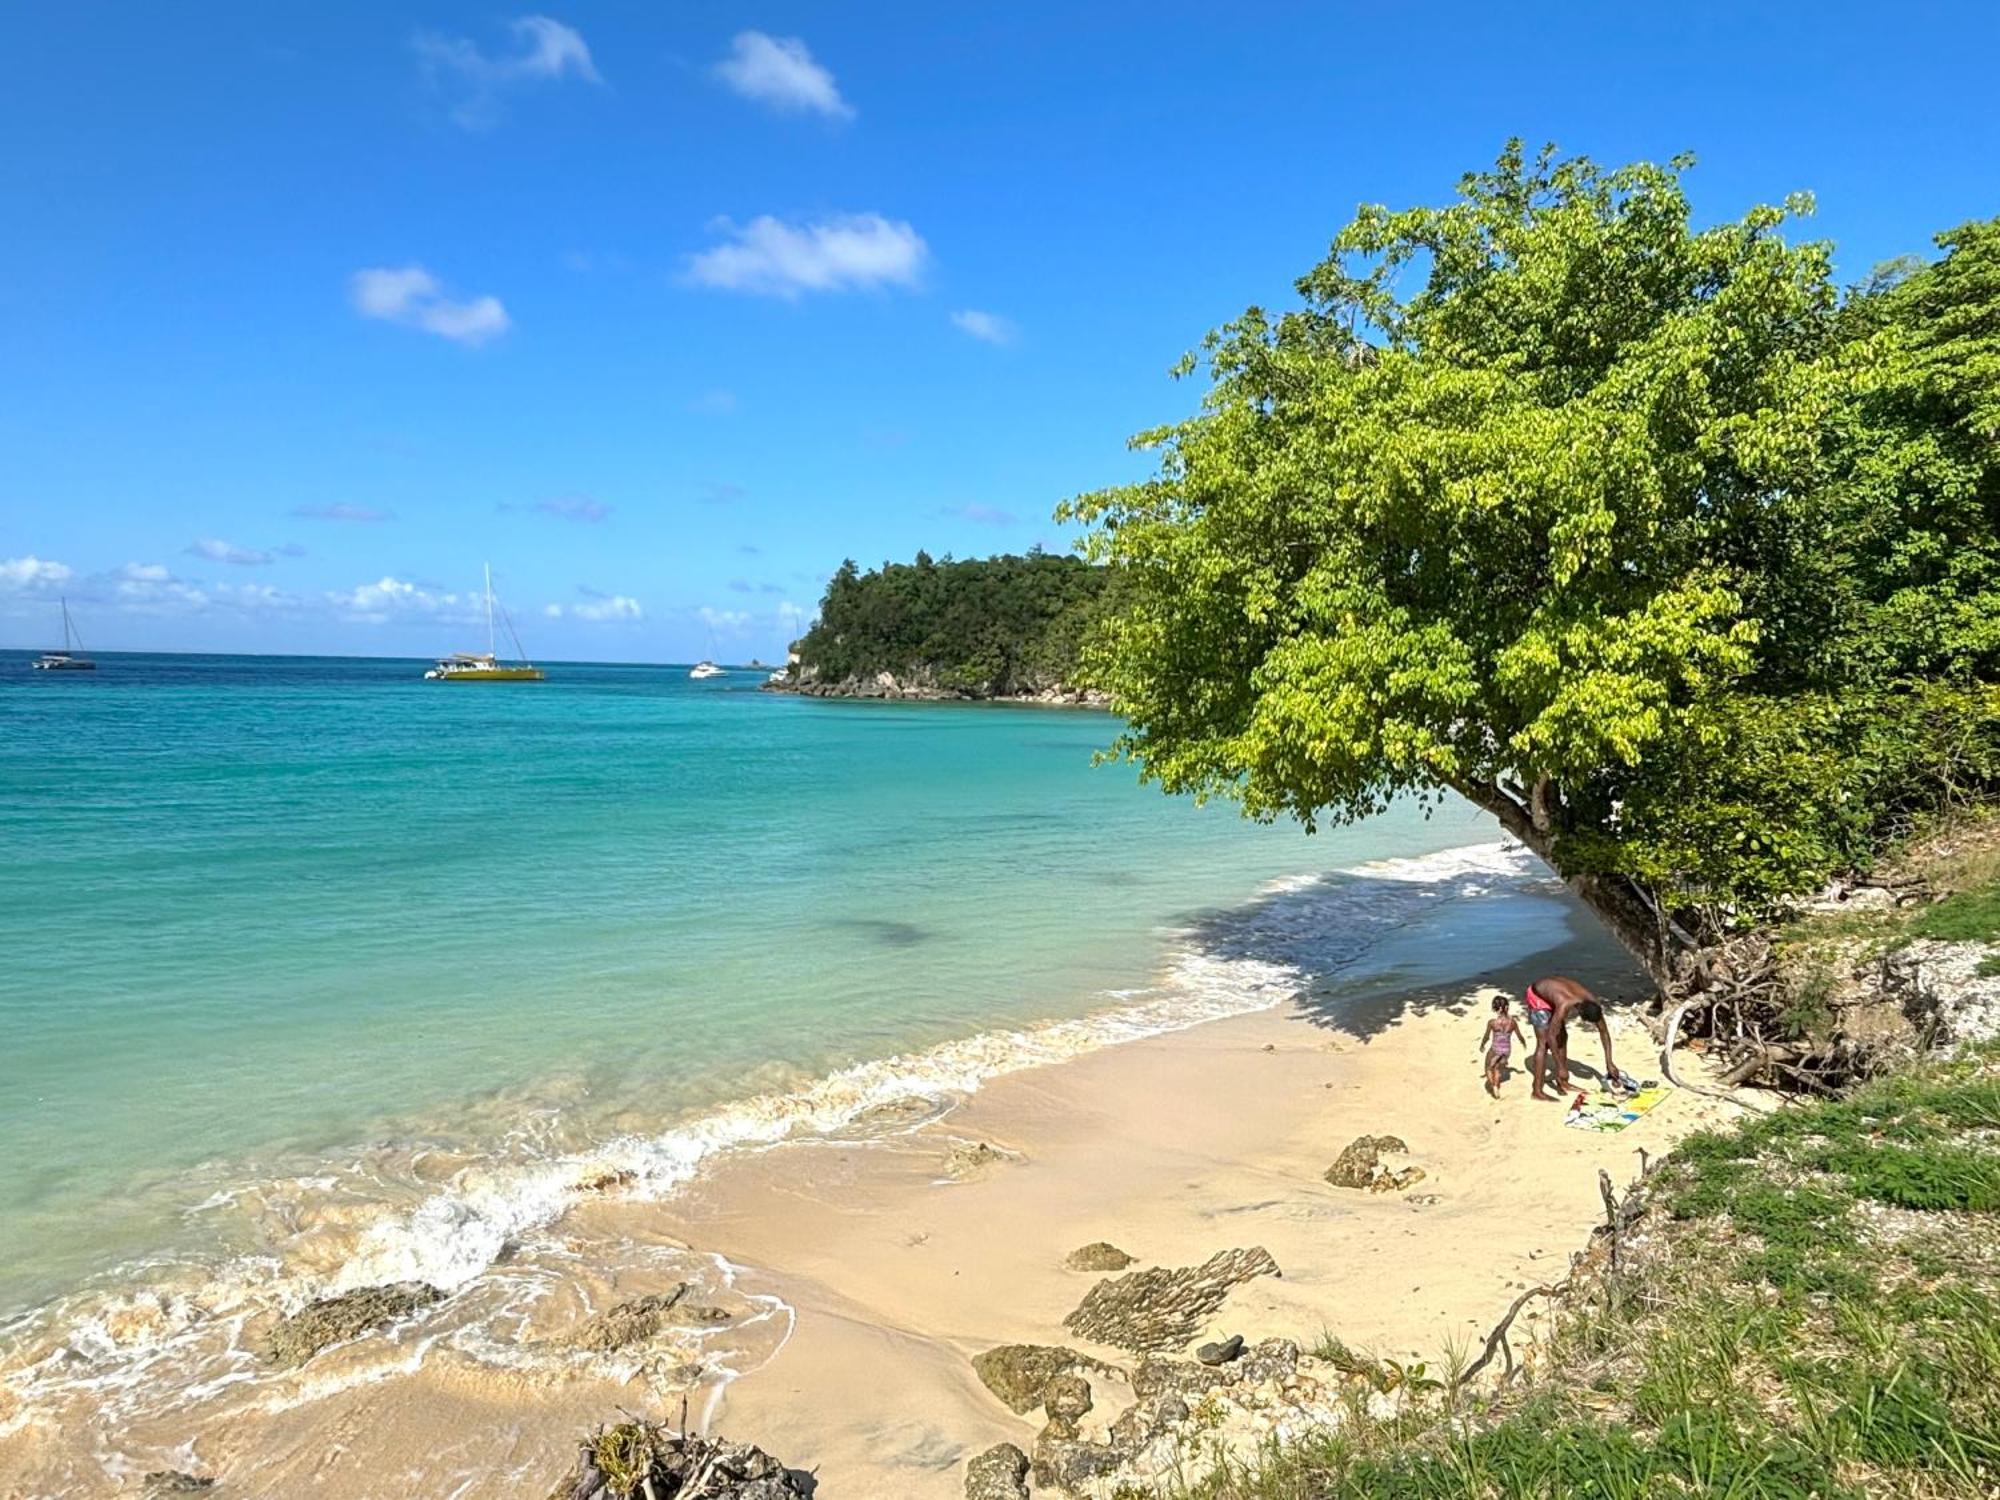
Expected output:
(266, 912)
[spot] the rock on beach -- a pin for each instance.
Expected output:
(333, 1320)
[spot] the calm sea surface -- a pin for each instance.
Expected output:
(264, 913)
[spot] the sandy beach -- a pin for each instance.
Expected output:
(858, 1277)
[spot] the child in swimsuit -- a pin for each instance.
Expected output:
(1498, 1036)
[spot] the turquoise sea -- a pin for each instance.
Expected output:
(270, 918)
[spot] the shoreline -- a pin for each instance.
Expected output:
(852, 1251)
(884, 688)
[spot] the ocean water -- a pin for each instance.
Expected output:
(429, 951)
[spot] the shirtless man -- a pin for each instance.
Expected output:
(1564, 1000)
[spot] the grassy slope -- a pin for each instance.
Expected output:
(1807, 1308)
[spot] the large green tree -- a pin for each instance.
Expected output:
(1636, 534)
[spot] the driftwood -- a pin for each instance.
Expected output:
(1619, 1216)
(1733, 995)
(1496, 1341)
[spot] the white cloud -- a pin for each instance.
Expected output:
(544, 51)
(575, 508)
(389, 596)
(552, 50)
(599, 607)
(724, 619)
(771, 257)
(32, 572)
(988, 327)
(148, 588)
(412, 297)
(781, 71)
(341, 511)
(216, 550)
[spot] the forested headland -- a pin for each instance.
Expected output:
(1008, 626)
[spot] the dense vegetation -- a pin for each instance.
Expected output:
(1643, 536)
(980, 626)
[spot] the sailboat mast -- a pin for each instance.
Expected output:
(489, 611)
(65, 612)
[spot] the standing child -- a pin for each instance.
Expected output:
(1498, 1037)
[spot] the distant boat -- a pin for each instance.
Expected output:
(467, 666)
(71, 657)
(706, 667)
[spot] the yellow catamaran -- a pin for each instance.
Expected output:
(467, 666)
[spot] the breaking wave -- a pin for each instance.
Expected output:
(488, 1235)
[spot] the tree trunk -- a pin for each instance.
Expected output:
(1614, 900)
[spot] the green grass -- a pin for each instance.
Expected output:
(1971, 916)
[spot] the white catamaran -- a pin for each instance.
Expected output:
(467, 666)
(71, 657)
(706, 667)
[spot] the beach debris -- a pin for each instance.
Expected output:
(1099, 1255)
(1162, 1307)
(968, 1158)
(1000, 1473)
(605, 1179)
(1019, 1373)
(1222, 1351)
(1361, 1165)
(164, 1482)
(333, 1320)
(650, 1461)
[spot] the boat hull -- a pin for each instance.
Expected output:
(491, 674)
(64, 666)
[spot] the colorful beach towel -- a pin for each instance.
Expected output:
(1605, 1110)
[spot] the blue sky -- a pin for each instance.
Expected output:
(307, 311)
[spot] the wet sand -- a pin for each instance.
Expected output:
(861, 1278)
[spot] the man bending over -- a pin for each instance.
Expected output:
(1565, 1000)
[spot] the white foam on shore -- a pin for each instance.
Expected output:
(1220, 965)
(1217, 971)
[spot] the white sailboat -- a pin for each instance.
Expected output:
(706, 667)
(469, 666)
(71, 657)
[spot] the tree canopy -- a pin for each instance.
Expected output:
(1640, 535)
(995, 625)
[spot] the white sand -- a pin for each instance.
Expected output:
(1172, 1148)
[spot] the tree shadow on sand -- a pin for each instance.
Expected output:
(1366, 953)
